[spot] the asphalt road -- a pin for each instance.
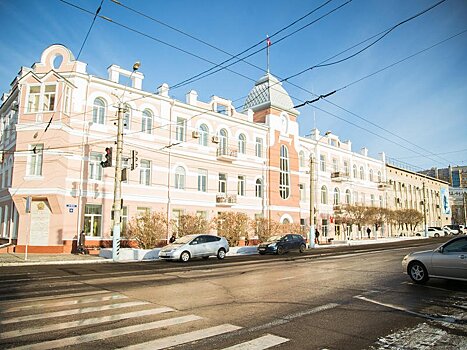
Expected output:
(348, 298)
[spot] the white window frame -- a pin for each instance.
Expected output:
(222, 187)
(241, 185)
(95, 168)
(35, 160)
(180, 130)
(202, 180)
(259, 147)
(242, 143)
(259, 188)
(147, 121)
(145, 172)
(180, 177)
(92, 217)
(41, 98)
(284, 181)
(99, 111)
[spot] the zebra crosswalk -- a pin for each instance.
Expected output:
(113, 320)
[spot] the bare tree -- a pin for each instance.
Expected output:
(148, 231)
(264, 228)
(376, 216)
(192, 224)
(413, 218)
(232, 226)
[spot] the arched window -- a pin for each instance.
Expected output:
(354, 169)
(347, 197)
(379, 176)
(146, 123)
(223, 141)
(98, 111)
(301, 158)
(336, 196)
(371, 175)
(324, 195)
(259, 188)
(203, 135)
(284, 181)
(285, 221)
(242, 143)
(180, 178)
(362, 173)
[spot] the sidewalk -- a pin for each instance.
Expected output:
(16, 259)
(129, 255)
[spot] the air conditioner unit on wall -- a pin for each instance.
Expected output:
(215, 139)
(195, 134)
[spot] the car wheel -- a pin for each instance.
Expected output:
(418, 272)
(221, 254)
(436, 234)
(280, 250)
(302, 248)
(185, 256)
(262, 253)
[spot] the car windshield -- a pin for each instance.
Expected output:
(274, 238)
(183, 240)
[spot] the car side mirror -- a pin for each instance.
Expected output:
(441, 250)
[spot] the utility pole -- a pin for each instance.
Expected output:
(424, 211)
(117, 207)
(311, 243)
(464, 204)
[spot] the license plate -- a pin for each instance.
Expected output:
(262, 249)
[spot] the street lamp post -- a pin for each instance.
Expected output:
(117, 205)
(311, 234)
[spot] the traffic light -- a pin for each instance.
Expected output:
(134, 160)
(108, 158)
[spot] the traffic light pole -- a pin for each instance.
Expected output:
(117, 207)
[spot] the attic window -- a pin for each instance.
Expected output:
(222, 109)
(57, 61)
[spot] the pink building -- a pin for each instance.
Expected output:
(193, 156)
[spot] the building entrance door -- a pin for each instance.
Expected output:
(40, 219)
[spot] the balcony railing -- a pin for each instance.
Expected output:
(226, 200)
(383, 185)
(226, 154)
(339, 176)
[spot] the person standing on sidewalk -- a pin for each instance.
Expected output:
(316, 236)
(368, 231)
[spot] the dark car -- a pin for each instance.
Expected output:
(282, 244)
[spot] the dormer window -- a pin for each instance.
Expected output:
(222, 109)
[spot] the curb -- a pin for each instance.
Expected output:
(60, 262)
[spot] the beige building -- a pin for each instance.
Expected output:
(410, 190)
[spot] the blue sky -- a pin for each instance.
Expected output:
(422, 100)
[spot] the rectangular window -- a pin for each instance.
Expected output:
(222, 183)
(176, 214)
(145, 172)
(259, 147)
(180, 130)
(93, 220)
(202, 214)
(95, 168)
(33, 98)
(335, 165)
(202, 180)
(346, 168)
(322, 162)
(125, 162)
(49, 98)
(241, 185)
(35, 160)
(302, 192)
(67, 100)
(142, 211)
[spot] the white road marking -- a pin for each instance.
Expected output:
(3, 297)
(48, 297)
(265, 342)
(85, 322)
(425, 286)
(184, 338)
(287, 318)
(286, 278)
(403, 309)
(66, 302)
(72, 312)
(80, 339)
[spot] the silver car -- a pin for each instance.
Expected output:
(447, 261)
(195, 246)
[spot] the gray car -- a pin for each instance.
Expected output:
(195, 246)
(447, 261)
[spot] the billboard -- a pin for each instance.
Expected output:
(446, 209)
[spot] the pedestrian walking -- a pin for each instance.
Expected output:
(368, 231)
(316, 236)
